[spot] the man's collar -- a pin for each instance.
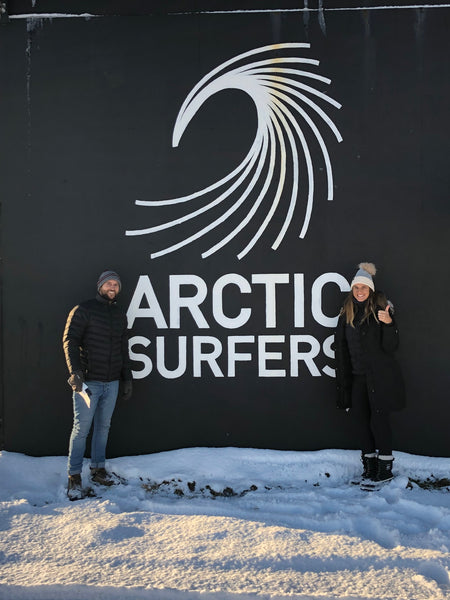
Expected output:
(104, 300)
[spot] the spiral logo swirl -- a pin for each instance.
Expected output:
(287, 111)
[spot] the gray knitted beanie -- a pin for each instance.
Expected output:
(106, 276)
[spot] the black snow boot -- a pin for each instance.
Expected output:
(370, 466)
(384, 472)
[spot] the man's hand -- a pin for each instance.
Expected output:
(127, 390)
(76, 381)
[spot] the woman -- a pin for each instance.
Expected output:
(369, 380)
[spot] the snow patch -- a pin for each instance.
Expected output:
(225, 524)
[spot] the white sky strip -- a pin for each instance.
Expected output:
(242, 11)
(318, 10)
(281, 109)
(54, 16)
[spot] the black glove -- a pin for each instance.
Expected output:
(127, 389)
(76, 381)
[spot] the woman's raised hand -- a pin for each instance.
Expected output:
(384, 316)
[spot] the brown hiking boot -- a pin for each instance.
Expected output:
(101, 476)
(74, 487)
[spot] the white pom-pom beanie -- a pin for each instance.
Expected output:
(364, 275)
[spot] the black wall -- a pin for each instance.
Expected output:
(88, 109)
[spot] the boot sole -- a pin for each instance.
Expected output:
(374, 486)
(86, 492)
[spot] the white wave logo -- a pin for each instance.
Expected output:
(276, 86)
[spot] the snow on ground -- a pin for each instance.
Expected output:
(225, 524)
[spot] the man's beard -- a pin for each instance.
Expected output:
(108, 297)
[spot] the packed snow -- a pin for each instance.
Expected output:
(226, 524)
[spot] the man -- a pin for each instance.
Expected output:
(96, 349)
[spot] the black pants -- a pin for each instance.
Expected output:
(374, 425)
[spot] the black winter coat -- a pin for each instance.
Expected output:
(95, 341)
(384, 378)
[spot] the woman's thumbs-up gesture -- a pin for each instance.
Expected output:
(384, 316)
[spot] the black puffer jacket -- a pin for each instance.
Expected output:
(95, 341)
(384, 378)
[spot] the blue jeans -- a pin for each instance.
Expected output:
(103, 401)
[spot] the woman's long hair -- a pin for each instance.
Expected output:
(370, 309)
